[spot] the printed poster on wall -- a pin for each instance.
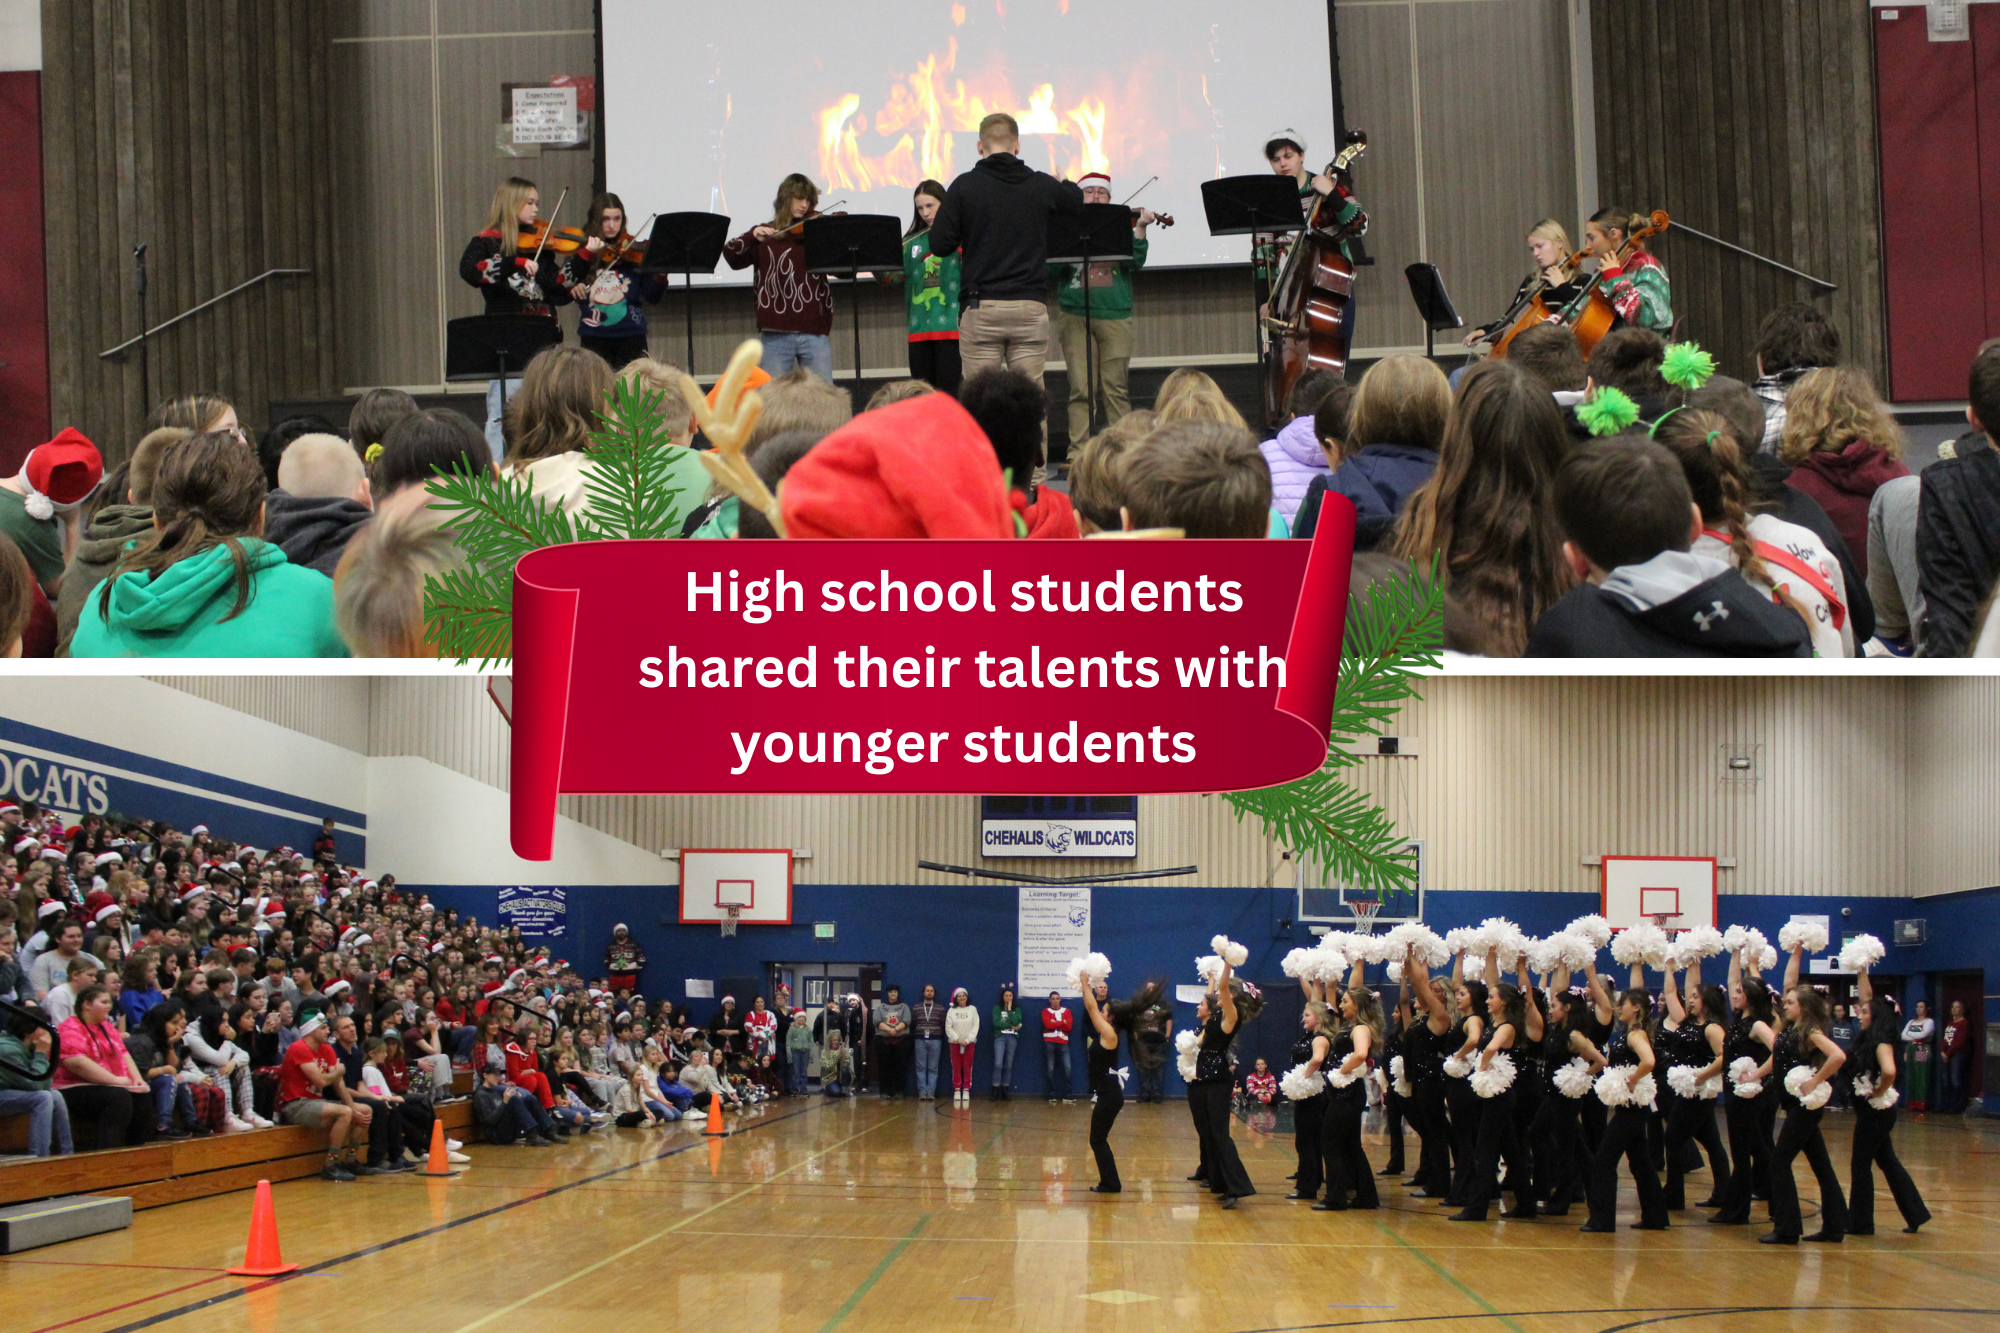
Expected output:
(1053, 928)
(541, 913)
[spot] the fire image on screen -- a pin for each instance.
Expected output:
(707, 108)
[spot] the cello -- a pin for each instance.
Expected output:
(1531, 310)
(1309, 299)
(1590, 312)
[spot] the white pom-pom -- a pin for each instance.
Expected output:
(1457, 938)
(39, 507)
(1432, 951)
(1593, 928)
(1702, 941)
(1767, 958)
(1398, 1077)
(1681, 1079)
(1734, 939)
(1809, 935)
(1186, 1065)
(1227, 948)
(1864, 1085)
(1740, 1081)
(1864, 1088)
(1644, 1094)
(1612, 1088)
(1575, 950)
(1863, 951)
(1644, 943)
(1474, 967)
(1573, 1079)
(1209, 967)
(1185, 1041)
(1456, 1066)
(1092, 968)
(1496, 1078)
(1543, 955)
(1796, 1077)
(1295, 961)
(1298, 1085)
(1336, 1079)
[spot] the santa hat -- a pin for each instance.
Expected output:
(106, 858)
(919, 468)
(53, 854)
(1286, 135)
(438, 947)
(197, 830)
(5, 806)
(50, 908)
(109, 909)
(336, 988)
(27, 845)
(1097, 178)
(362, 939)
(60, 475)
(493, 960)
(192, 892)
(313, 1023)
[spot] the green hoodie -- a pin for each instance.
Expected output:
(180, 612)
(111, 530)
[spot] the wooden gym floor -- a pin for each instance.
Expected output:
(863, 1216)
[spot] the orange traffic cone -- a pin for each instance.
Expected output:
(715, 1116)
(440, 1161)
(715, 1156)
(261, 1257)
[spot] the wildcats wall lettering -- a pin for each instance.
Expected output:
(67, 789)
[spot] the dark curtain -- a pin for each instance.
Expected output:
(1755, 121)
(200, 128)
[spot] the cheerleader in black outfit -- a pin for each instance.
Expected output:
(1695, 1039)
(1425, 1035)
(1558, 1119)
(1595, 1024)
(1396, 1108)
(1310, 1052)
(1630, 1056)
(1108, 1022)
(1752, 1036)
(1468, 1032)
(1356, 1036)
(1530, 1085)
(1803, 1041)
(1228, 1004)
(1875, 1056)
(1513, 1026)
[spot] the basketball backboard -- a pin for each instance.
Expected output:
(1680, 889)
(756, 883)
(1321, 899)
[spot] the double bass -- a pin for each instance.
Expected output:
(1309, 299)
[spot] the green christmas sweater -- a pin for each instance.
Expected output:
(930, 290)
(1110, 285)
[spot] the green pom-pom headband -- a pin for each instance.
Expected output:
(1687, 366)
(1607, 412)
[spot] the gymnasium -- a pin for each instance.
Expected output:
(1855, 804)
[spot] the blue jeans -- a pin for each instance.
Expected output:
(1055, 1055)
(48, 1115)
(800, 1059)
(169, 1092)
(1003, 1059)
(496, 411)
(929, 1049)
(782, 351)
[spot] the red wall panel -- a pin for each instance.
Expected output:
(1986, 59)
(1934, 253)
(24, 311)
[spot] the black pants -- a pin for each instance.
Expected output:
(1395, 1108)
(1110, 1101)
(1202, 1170)
(580, 1085)
(417, 1118)
(1466, 1106)
(1535, 1149)
(1560, 1121)
(1434, 1156)
(385, 1132)
(1347, 1168)
(892, 1063)
(1749, 1153)
(1693, 1121)
(1499, 1137)
(1625, 1136)
(1873, 1148)
(519, 1116)
(120, 1118)
(1308, 1136)
(1801, 1135)
(1209, 1104)
(620, 352)
(935, 361)
(1591, 1117)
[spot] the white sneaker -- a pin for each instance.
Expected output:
(231, 1125)
(452, 1145)
(259, 1122)
(457, 1157)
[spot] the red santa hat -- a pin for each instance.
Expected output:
(60, 475)
(109, 909)
(54, 854)
(919, 468)
(335, 989)
(1097, 178)
(106, 858)
(197, 830)
(192, 892)
(27, 845)
(49, 909)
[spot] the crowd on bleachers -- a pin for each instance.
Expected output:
(1635, 504)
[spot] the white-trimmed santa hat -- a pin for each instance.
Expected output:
(54, 854)
(106, 858)
(197, 830)
(27, 844)
(336, 988)
(109, 909)
(60, 475)
(1285, 135)
(1097, 178)
(50, 908)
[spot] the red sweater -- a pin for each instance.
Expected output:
(1056, 1024)
(789, 300)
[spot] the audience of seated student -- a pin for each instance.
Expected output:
(1783, 561)
(1628, 359)
(18, 597)
(97, 1077)
(796, 401)
(1629, 520)
(920, 468)
(321, 502)
(125, 517)
(1958, 523)
(1487, 515)
(373, 413)
(895, 391)
(378, 587)
(155, 1048)
(421, 445)
(1205, 478)
(509, 1114)
(211, 1040)
(1188, 394)
(1548, 354)
(1389, 447)
(61, 1002)
(273, 443)
(774, 459)
(206, 584)
(413, 1115)
(1792, 340)
(1012, 412)
(685, 473)
(197, 414)
(1093, 471)
(1297, 455)
(25, 1082)
(550, 422)
(41, 506)
(1842, 443)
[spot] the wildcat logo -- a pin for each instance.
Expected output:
(1058, 839)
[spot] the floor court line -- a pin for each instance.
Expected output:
(1448, 1276)
(875, 1275)
(113, 1309)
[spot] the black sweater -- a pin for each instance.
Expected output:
(505, 284)
(1958, 546)
(999, 213)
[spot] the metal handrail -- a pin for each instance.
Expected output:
(1762, 259)
(196, 310)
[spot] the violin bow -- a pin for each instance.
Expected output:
(550, 230)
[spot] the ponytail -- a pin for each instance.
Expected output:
(209, 493)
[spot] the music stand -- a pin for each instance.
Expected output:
(490, 347)
(1433, 302)
(1099, 232)
(687, 244)
(845, 246)
(1246, 205)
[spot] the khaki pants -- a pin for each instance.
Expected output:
(1014, 334)
(1110, 360)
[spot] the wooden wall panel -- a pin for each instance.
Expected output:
(1755, 123)
(1951, 797)
(1378, 83)
(199, 127)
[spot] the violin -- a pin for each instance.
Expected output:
(562, 240)
(798, 229)
(1159, 219)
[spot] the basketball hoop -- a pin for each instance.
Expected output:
(1365, 911)
(734, 912)
(1660, 919)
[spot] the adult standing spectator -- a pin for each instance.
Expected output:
(892, 1043)
(1958, 543)
(1955, 1053)
(1006, 1036)
(760, 1029)
(927, 1025)
(1152, 1038)
(1918, 1059)
(725, 1029)
(1056, 1024)
(624, 960)
(998, 214)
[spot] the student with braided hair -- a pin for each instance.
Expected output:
(1784, 561)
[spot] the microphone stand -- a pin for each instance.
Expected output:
(145, 343)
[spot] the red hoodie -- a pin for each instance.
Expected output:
(1844, 483)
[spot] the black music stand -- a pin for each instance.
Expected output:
(687, 244)
(847, 246)
(1433, 302)
(492, 347)
(1246, 205)
(1098, 233)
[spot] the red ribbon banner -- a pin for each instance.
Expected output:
(996, 667)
